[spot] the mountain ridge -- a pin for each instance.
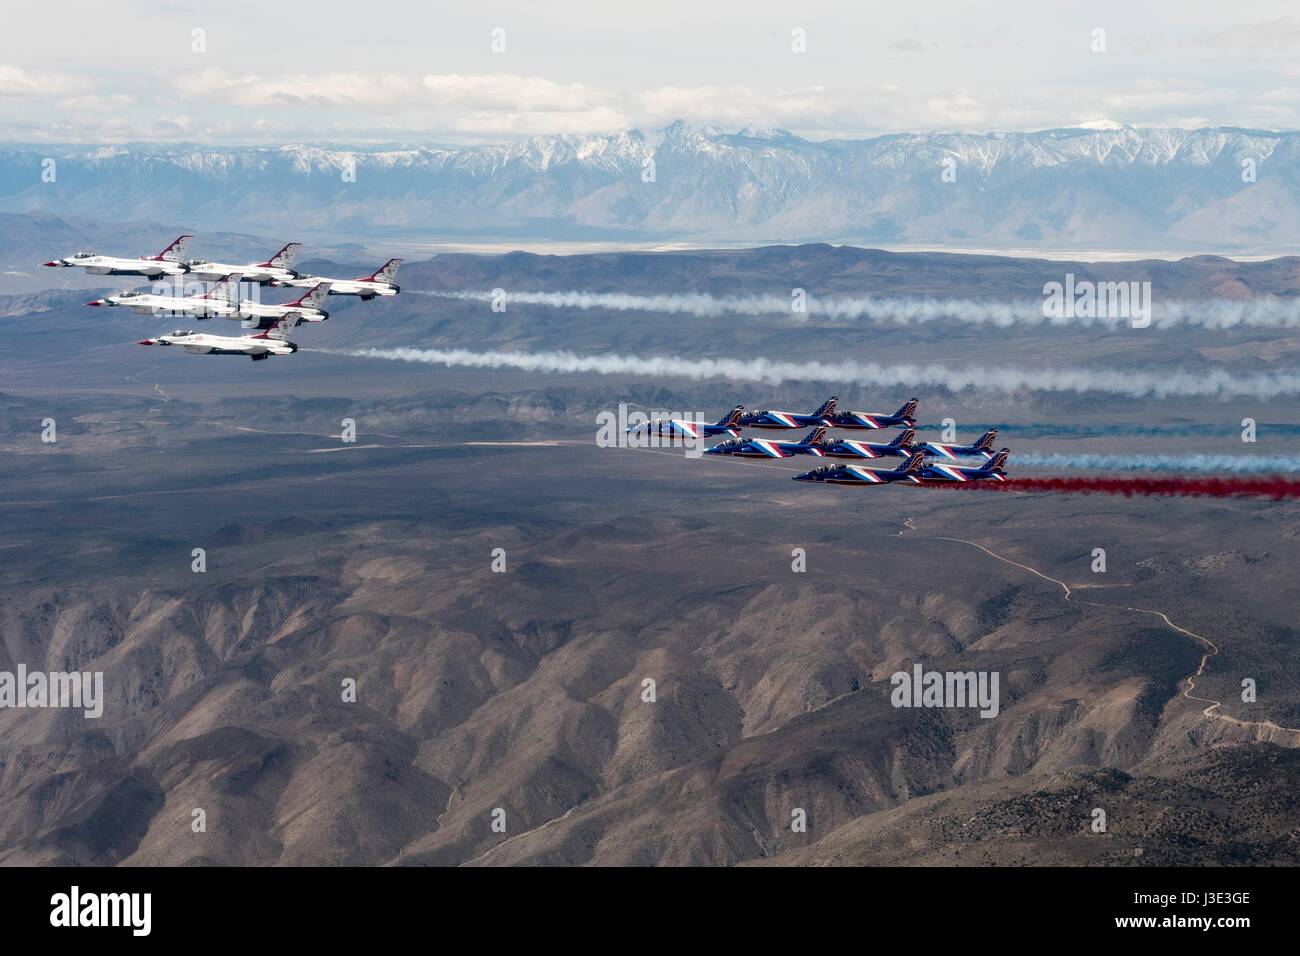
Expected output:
(1227, 188)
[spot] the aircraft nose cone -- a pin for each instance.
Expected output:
(145, 342)
(95, 302)
(53, 264)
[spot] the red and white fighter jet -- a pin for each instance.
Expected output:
(169, 262)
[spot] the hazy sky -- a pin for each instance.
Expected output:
(115, 70)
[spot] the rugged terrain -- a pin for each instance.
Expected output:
(524, 690)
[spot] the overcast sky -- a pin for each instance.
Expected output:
(403, 71)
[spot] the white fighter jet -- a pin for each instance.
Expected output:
(260, 315)
(221, 299)
(278, 267)
(166, 263)
(380, 282)
(273, 341)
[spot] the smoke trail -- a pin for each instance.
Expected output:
(1116, 381)
(1274, 487)
(1266, 312)
(1232, 464)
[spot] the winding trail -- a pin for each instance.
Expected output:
(519, 836)
(1212, 712)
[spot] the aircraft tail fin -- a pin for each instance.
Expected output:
(827, 407)
(998, 461)
(284, 258)
(814, 436)
(732, 417)
(176, 251)
(904, 438)
(907, 409)
(985, 441)
(280, 330)
(315, 296)
(385, 273)
(915, 462)
(227, 289)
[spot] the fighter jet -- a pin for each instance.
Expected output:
(900, 447)
(260, 315)
(166, 263)
(274, 341)
(991, 470)
(380, 282)
(726, 425)
(857, 475)
(216, 301)
(771, 419)
(810, 444)
(875, 419)
(982, 447)
(278, 267)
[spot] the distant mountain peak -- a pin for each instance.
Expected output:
(1098, 184)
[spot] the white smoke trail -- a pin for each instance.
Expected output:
(1221, 464)
(1268, 312)
(1115, 381)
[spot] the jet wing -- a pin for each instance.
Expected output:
(860, 448)
(265, 322)
(769, 448)
(942, 472)
(865, 474)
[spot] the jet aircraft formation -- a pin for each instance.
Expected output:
(917, 467)
(269, 325)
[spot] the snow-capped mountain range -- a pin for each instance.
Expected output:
(1230, 190)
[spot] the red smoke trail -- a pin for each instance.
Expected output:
(1273, 486)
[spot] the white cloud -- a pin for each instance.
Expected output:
(341, 90)
(1280, 36)
(577, 66)
(93, 101)
(915, 93)
(509, 93)
(501, 125)
(390, 91)
(15, 82)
